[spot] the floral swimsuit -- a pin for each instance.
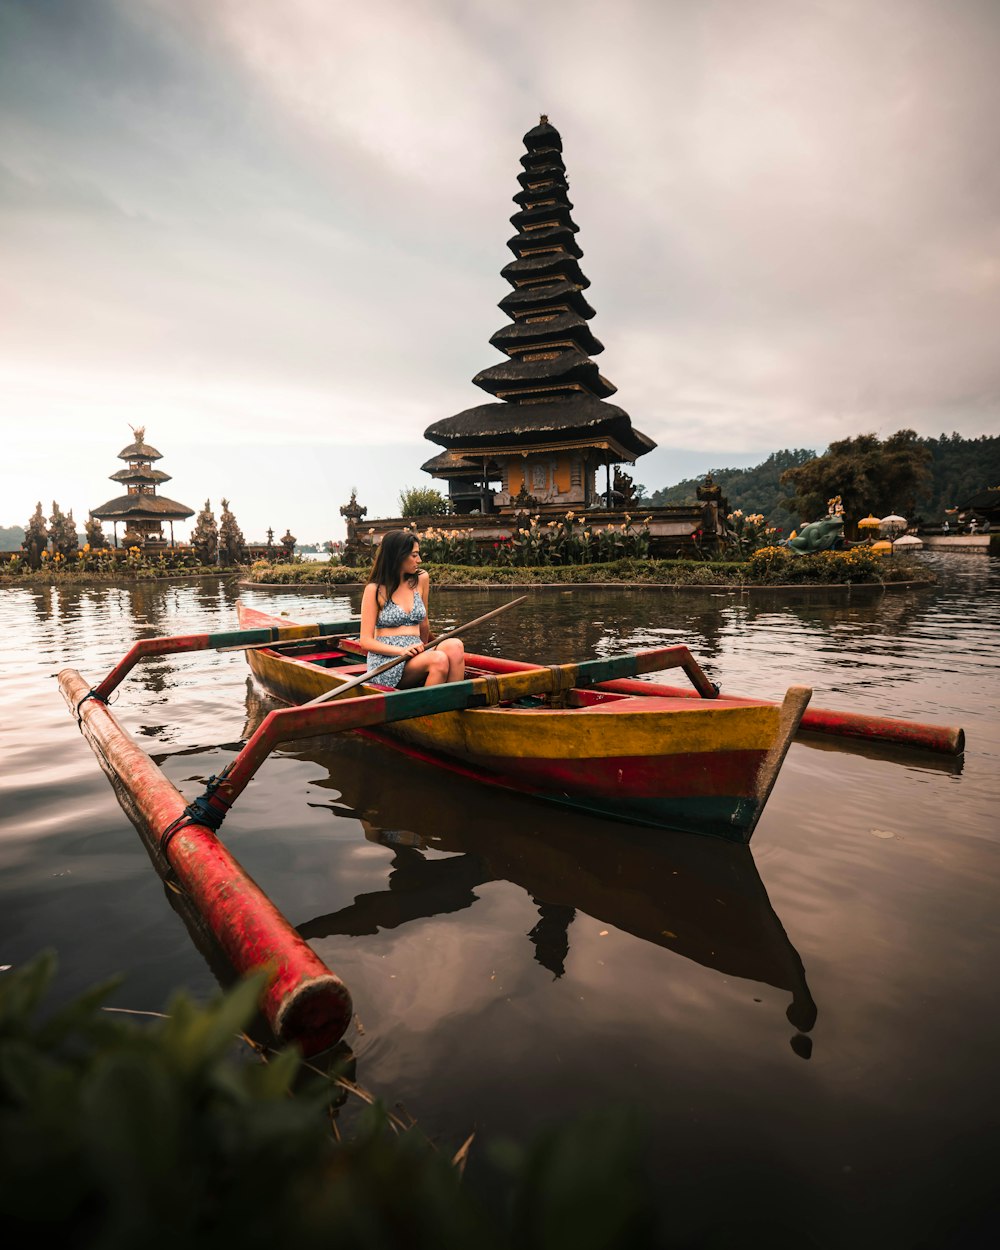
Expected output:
(393, 616)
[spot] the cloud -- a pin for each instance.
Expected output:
(287, 222)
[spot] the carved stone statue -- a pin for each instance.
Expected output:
(709, 491)
(352, 512)
(623, 487)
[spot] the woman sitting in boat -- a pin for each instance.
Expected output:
(394, 619)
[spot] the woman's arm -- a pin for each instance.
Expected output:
(424, 586)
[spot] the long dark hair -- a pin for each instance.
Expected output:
(395, 546)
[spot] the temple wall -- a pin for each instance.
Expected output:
(672, 529)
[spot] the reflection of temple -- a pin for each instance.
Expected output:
(141, 509)
(552, 428)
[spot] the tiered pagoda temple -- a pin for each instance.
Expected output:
(141, 510)
(551, 428)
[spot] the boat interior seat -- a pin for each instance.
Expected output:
(314, 657)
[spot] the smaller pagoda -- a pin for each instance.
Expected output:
(142, 511)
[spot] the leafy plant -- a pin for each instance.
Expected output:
(749, 533)
(422, 501)
(170, 1133)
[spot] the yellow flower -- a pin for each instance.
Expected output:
(570, 516)
(45, 555)
(86, 546)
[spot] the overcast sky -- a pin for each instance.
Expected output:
(272, 232)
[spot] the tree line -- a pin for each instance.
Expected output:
(919, 477)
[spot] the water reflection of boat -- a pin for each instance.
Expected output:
(701, 898)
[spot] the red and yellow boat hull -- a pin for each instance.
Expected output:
(696, 765)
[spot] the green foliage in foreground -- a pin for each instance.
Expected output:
(116, 1134)
(772, 566)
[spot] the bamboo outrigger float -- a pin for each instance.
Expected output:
(303, 1001)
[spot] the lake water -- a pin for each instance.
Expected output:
(811, 1029)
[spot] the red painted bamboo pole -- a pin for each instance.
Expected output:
(946, 739)
(655, 660)
(174, 645)
(303, 1000)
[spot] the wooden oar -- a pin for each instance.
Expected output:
(398, 659)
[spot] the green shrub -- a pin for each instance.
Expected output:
(782, 565)
(166, 1134)
(422, 501)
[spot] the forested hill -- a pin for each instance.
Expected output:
(11, 537)
(959, 468)
(753, 490)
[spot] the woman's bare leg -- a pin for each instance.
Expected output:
(454, 649)
(429, 665)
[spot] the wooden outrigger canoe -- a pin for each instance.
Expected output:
(702, 765)
(585, 735)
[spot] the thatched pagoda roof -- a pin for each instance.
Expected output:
(454, 466)
(543, 136)
(139, 450)
(521, 425)
(549, 236)
(555, 264)
(561, 326)
(526, 217)
(545, 191)
(142, 507)
(140, 475)
(542, 169)
(568, 367)
(523, 298)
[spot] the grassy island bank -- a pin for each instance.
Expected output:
(772, 566)
(769, 567)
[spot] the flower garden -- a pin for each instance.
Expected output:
(568, 550)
